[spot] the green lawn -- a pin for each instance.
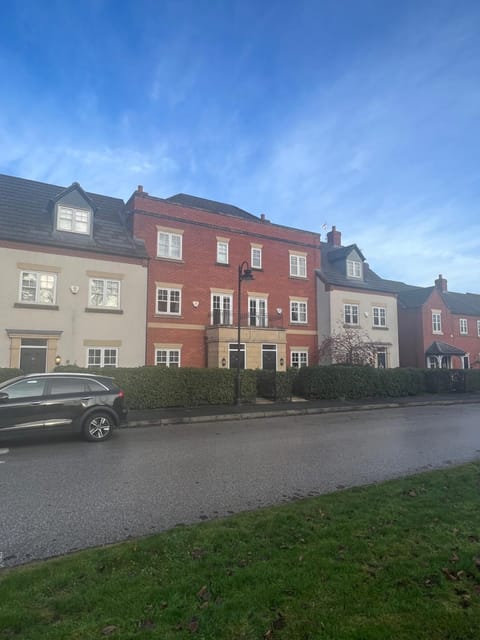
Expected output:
(394, 561)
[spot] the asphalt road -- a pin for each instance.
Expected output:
(59, 494)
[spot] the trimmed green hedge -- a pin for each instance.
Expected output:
(472, 380)
(161, 387)
(338, 381)
(6, 374)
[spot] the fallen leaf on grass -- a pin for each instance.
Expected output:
(146, 624)
(111, 628)
(204, 594)
(193, 625)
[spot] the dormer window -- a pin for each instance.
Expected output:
(354, 269)
(73, 220)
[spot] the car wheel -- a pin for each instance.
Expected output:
(98, 427)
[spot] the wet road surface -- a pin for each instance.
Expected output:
(60, 494)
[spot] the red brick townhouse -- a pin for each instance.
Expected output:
(439, 328)
(201, 253)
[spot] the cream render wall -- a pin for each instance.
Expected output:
(77, 328)
(330, 314)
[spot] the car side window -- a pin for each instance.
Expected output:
(30, 388)
(60, 386)
(93, 385)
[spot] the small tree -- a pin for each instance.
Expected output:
(348, 346)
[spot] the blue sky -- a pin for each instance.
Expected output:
(362, 114)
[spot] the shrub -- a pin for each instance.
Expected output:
(161, 387)
(338, 381)
(472, 380)
(6, 374)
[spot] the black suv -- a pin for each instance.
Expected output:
(90, 404)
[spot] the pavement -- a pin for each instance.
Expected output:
(296, 407)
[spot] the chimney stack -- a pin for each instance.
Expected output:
(441, 283)
(334, 237)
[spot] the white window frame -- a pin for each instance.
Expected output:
(351, 310)
(171, 295)
(261, 319)
(172, 357)
(74, 220)
(463, 326)
(298, 358)
(222, 251)
(222, 310)
(354, 269)
(38, 288)
(436, 322)
(379, 316)
(298, 265)
(174, 245)
(300, 309)
(104, 354)
(105, 283)
(256, 258)
(478, 328)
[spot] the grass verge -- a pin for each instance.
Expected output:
(399, 560)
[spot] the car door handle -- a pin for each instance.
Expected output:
(36, 402)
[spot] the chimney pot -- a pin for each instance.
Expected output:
(334, 237)
(140, 188)
(441, 283)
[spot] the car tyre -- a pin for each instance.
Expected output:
(98, 426)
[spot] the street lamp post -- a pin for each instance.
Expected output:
(244, 273)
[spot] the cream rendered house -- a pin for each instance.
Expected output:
(351, 297)
(73, 279)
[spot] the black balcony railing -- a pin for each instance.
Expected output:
(219, 318)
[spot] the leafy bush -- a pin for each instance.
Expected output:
(338, 381)
(160, 387)
(6, 374)
(472, 380)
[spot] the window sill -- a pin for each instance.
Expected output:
(437, 333)
(379, 328)
(222, 264)
(175, 316)
(166, 259)
(295, 323)
(302, 278)
(257, 269)
(103, 310)
(33, 305)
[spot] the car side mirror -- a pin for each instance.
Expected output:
(3, 396)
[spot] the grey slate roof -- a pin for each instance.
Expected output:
(462, 303)
(415, 297)
(26, 217)
(443, 349)
(330, 272)
(210, 205)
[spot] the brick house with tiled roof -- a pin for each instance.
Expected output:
(439, 328)
(196, 247)
(73, 279)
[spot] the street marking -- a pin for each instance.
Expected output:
(2, 451)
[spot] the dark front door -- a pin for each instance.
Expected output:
(269, 357)
(33, 359)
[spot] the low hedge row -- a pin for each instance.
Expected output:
(6, 374)
(338, 381)
(160, 387)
